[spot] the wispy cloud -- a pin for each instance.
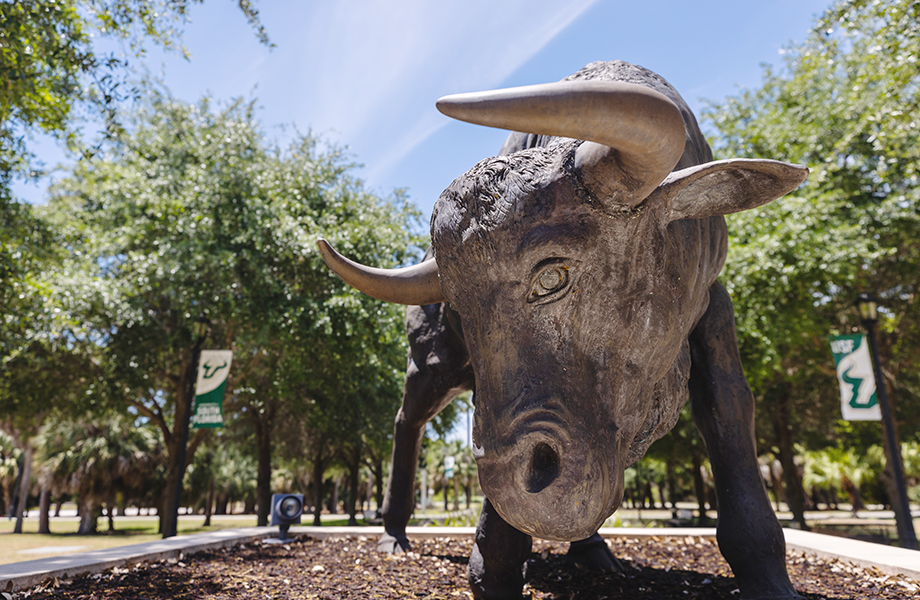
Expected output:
(373, 68)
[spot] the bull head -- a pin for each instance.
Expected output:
(578, 271)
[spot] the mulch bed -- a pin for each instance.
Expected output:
(346, 568)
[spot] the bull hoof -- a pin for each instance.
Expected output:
(593, 553)
(389, 544)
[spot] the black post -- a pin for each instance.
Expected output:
(906, 529)
(184, 427)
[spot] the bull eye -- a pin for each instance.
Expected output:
(549, 281)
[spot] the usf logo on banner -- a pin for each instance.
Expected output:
(857, 381)
(213, 369)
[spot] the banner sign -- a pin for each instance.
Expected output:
(213, 369)
(858, 401)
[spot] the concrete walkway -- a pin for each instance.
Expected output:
(22, 575)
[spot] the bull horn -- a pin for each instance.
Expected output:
(635, 134)
(415, 285)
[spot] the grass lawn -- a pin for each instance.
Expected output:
(128, 530)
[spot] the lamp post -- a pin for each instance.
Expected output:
(868, 312)
(200, 330)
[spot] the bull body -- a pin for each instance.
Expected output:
(582, 304)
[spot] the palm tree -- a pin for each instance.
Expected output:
(235, 476)
(9, 470)
(910, 451)
(94, 459)
(837, 470)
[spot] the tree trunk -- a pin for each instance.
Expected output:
(638, 485)
(110, 513)
(661, 493)
(44, 508)
(456, 492)
(89, 515)
(852, 490)
(25, 484)
(369, 491)
(779, 491)
(378, 484)
(795, 492)
(671, 483)
(174, 474)
(353, 475)
(319, 470)
(264, 427)
(221, 508)
(647, 493)
(209, 503)
(446, 487)
(334, 497)
(179, 455)
(699, 486)
(3, 496)
(423, 484)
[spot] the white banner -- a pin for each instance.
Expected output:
(858, 401)
(213, 370)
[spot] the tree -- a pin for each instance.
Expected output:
(682, 451)
(190, 213)
(51, 68)
(48, 357)
(838, 473)
(9, 455)
(94, 459)
(53, 81)
(846, 105)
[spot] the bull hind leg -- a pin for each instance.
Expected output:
(438, 371)
(593, 553)
(749, 535)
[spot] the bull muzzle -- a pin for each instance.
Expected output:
(549, 480)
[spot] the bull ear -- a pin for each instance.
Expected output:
(726, 186)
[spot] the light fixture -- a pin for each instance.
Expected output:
(200, 326)
(867, 304)
(286, 511)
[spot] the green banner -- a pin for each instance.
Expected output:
(858, 401)
(213, 370)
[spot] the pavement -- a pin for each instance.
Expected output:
(22, 575)
(26, 574)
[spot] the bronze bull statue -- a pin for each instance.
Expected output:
(574, 285)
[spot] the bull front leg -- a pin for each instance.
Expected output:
(438, 371)
(496, 569)
(749, 535)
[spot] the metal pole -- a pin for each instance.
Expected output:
(184, 427)
(906, 529)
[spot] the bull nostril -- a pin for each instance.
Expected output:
(544, 468)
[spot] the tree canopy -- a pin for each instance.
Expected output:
(846, 103)
(51, 69)
(55, 82)
(191, 213)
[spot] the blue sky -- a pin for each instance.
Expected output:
(366, 73)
